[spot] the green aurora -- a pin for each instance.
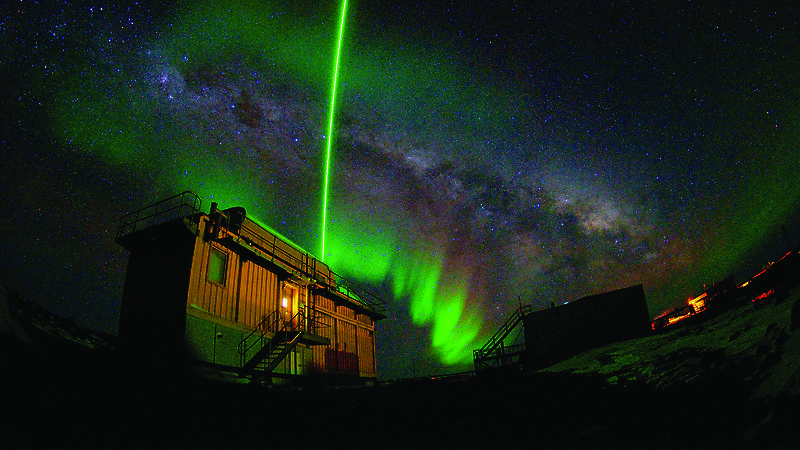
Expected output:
(109, 112)
(113, 116)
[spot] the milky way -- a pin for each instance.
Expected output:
(483, 157)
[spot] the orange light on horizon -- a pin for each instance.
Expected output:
(764, 295)
(698, 304)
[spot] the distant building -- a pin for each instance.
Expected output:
(778, 278)
(714, 300)
(220, 290)
(560, 332)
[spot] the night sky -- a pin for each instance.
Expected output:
(484, 154)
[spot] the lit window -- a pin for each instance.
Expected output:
(217, 263)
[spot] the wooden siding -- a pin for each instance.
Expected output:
(211, 297)
(259, 294)
(346, 337)
(349, 333)
(366, 351)
(326, 328)
(251, 292)
(325, 303)
(344, 311)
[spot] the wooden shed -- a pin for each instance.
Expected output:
(220, 290)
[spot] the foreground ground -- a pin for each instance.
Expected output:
(731, 381)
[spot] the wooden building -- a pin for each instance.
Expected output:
(221, 290)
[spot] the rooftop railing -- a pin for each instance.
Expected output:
(273, 248)
(184, 204)
(307, 265)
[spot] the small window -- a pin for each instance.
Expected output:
(217, 264)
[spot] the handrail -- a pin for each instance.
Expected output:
(358, 293)
(307, 266)
(498, 352)
(271, 248)
(265, 325)
(313, 323)
(184, 204)
(188, 203)
(503, 331)
(268, 324)
(494, 349)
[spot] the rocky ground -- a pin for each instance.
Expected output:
(731, 381)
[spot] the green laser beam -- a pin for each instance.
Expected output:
(330, 131)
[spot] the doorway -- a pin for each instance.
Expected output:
(289, 300)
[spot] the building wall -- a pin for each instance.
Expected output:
(555, 334)
(156, 281)
(365, 341)
(220, 315)
(218, 343)
(250, 292)
(352, 349)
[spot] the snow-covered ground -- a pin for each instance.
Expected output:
(755, 342)
(731, 381)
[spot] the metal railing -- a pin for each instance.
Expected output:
(284, 332)
(269, 324)
(308, 266)
(272, 247)
(356, 292)
(269, 246)
(499, 356)
(184, 204)
(499, 336)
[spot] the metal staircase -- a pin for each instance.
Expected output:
(268, 352)
(495, 353)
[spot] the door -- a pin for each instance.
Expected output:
(289, 305)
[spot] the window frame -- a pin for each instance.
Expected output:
(216, 251)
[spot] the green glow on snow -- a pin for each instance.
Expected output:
(330, 132)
